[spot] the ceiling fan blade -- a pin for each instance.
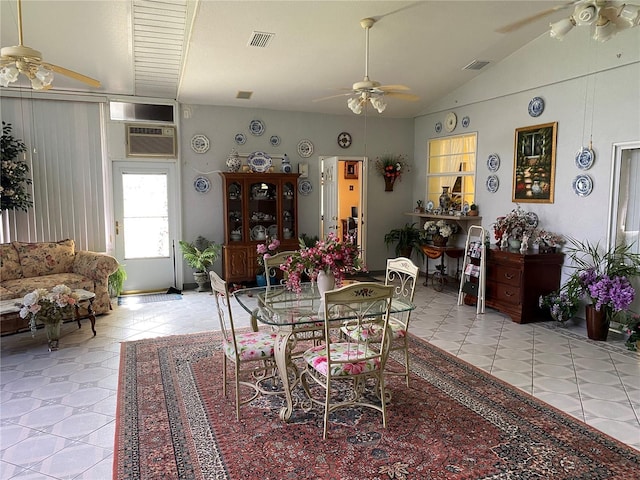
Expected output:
(525, 21)
(403, 96)
(387, 88)
(70, 73)
(334, 96)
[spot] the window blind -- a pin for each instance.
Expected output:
(64, 153)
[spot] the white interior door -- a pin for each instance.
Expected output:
(329, 196)
(145, 213)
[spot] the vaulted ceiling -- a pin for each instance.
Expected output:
(198, 52)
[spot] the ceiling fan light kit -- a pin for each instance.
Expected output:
(20, 59)
(607, 19)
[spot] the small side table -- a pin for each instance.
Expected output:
(86, 297)
(432, 252)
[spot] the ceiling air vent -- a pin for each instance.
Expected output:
(477, 65)
(244, 95)
(260, 39)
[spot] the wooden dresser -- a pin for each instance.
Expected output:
(515, 281)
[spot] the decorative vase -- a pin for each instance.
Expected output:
(439, 240)
(202, 279)
(286, 164)
(326, 281)
(597, 323)
(445, 199)
(388, 183)
(514, 243)
(52, 329)
(261, 279)
(233, 161)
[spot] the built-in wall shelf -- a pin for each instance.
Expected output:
(463, 221)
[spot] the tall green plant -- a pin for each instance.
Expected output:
(14, 176)
(116, 281)
(201, 254)
(405, 238)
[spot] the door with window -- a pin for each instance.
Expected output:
(145, 213)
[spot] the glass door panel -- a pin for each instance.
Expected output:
(263, 210)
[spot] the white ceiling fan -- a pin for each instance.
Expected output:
(370, 90)
(606, 18)
(22, 59)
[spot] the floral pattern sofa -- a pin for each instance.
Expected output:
(27, 266)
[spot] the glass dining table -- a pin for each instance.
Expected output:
(294, 317)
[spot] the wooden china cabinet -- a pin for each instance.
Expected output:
(256, 206)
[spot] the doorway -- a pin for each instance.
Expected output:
(145, 214)
(343, 199)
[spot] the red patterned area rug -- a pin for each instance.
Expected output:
(454, 422)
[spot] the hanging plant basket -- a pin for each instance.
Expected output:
(388, 183)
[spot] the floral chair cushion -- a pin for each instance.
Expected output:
(251, 346)
(373, 332)
(10, 268)
(316, 357)
(46, 258)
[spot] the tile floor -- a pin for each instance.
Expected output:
(57, 410)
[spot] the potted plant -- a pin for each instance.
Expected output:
(391, 168)
(200, 255)
(630, 324)
(116, 281)
(602, 276)
(473, 210)
(438, 232)
(419, 208)
(15, 173)
(406, 238)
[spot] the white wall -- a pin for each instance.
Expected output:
(203, 213)
(589, 88)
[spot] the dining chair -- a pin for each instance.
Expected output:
(351, 360)
(403, 275)
(272, 264)
(250, 352)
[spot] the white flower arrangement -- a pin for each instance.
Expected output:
(440, 227)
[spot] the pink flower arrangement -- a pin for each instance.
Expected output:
(266, 250)
(330, 256)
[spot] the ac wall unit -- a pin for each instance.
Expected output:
(151, 141)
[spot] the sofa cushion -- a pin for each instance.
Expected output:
(21, 286)
(45, 258)
(10, 268)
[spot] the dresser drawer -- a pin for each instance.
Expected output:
(504, 294)
(505, 274)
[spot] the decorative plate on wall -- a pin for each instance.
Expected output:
(465, 122)
(274, 140)
(305, 187)
(582, 185)
(256, 127)
(536, 106)
(493, 183)
(201, 184)
(493, 162)
(585, 158)
(199, 144)
(305, 148)
(450, 122)
(438, 127)
(240, 138)
(344, 139)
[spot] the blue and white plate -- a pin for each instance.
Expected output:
(585, 158)
(240, 138)
(493, 162)
(201, 184)
(274, 140)
(582, 185)
(305, 187)
(465, 122)
(493, 183)
(438, 127)
(429, 206)
(536, 106)
(256, 127)
(259, 162)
